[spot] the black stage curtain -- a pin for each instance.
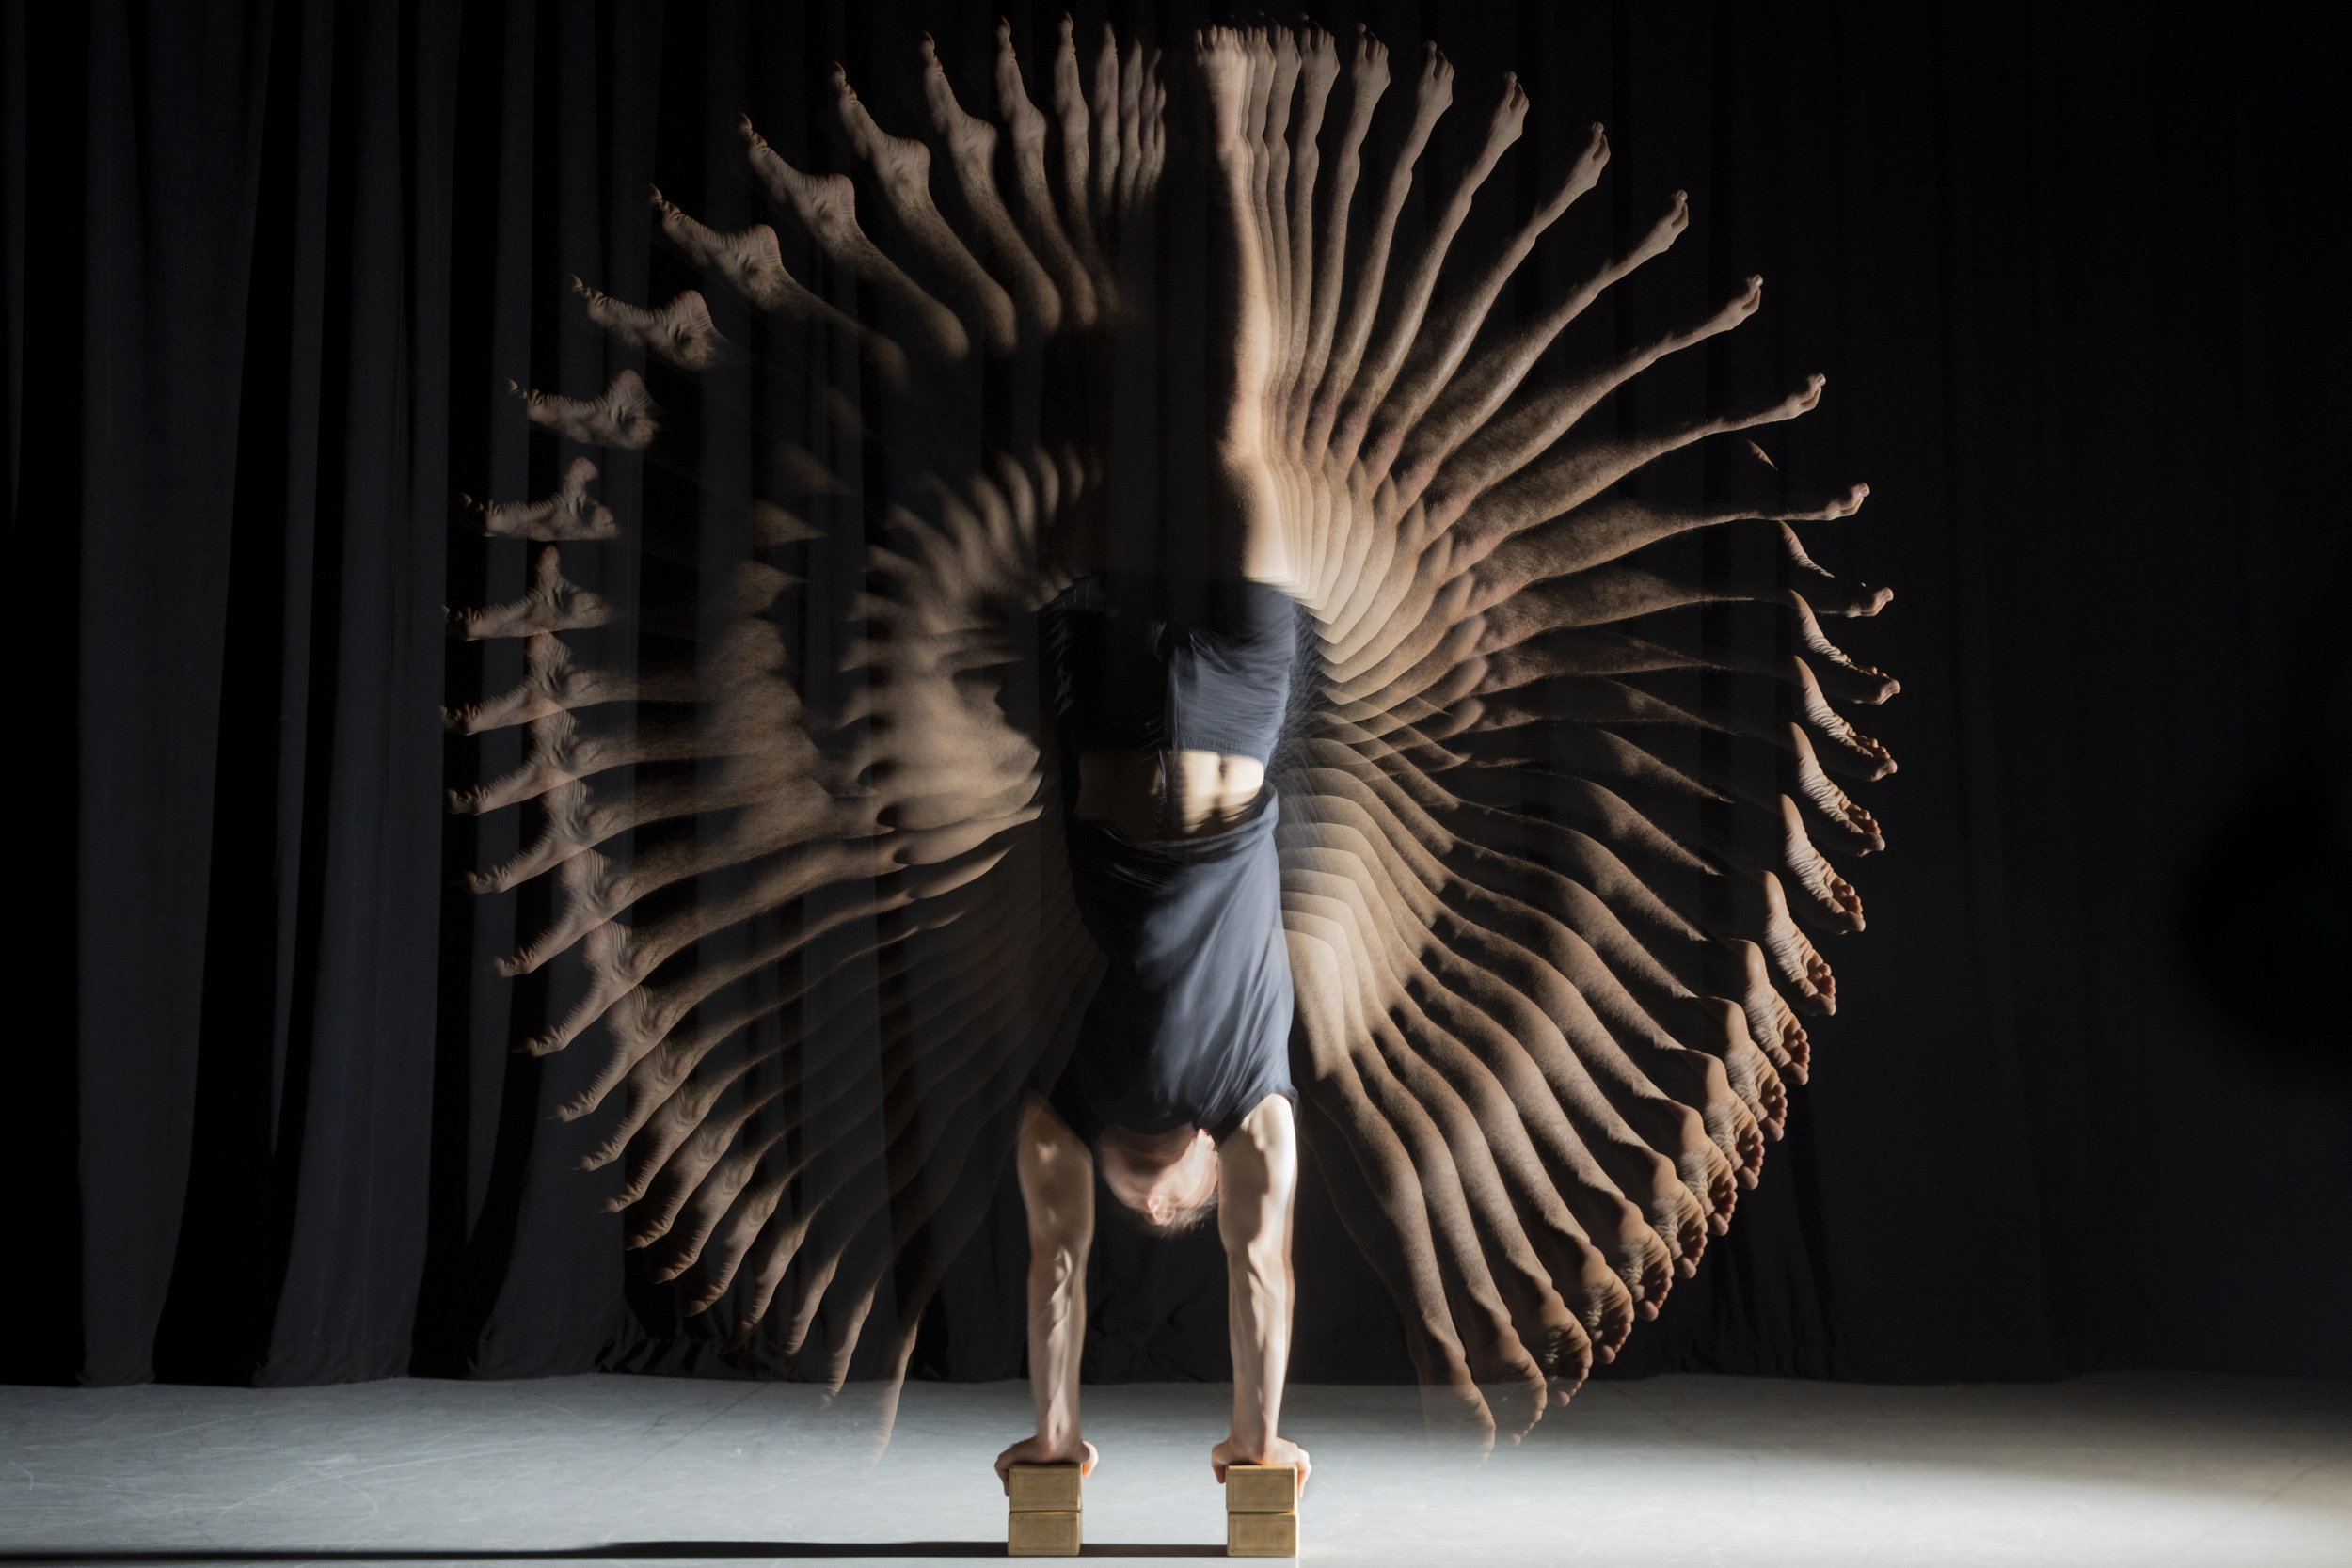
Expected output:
(267, 268)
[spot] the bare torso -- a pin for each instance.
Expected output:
(1153, 795)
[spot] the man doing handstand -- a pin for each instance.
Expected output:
(1171, 693)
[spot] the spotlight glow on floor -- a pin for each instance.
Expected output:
(2136, 1469)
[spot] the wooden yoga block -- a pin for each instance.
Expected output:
(1262, 1534)
(1042, 1534)
(1045, 1489)
(1044, 1517)
(1261, 1488)
(1262, 1510)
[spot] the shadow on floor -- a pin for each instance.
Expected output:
(732, 1549)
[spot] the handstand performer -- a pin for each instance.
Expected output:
(1538, 985)
(1171, 695)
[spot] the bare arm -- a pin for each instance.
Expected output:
(1260, 1173)
(1057, 1188)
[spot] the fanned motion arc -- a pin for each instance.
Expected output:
(1550, 969)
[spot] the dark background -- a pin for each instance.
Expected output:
(268, 267)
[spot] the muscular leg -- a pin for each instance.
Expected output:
(1243, 345)
(1057, 1188)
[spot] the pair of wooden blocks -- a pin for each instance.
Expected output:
(1045, 1510)
(1261, 1511)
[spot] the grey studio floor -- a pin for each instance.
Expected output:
(2125, 1469)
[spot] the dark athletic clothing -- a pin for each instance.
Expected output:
(1144, 661)
(1192, 1021)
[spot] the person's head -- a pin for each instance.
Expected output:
(1165, 1182)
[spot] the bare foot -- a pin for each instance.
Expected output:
(1761, 908)
(553, 603)
(1833, 903)
(1517, 1388)
(1858, 831)
(1679, 1133)
(1860, 683)
(1702, 1083)
(570, 512)
(1634, 1251)
(1825, 588)
(826, 206)
(1721, 1029)
(1600, 1301)
(1224, 58)
(1739, 969)
(625, 418)
(1851, 751)
(1564, 1353)
(750, 261)
(900, 168)
(679, 333)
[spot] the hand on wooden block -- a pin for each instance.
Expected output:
(1044, 1517)
(1261, 1488)
(1262, 1534)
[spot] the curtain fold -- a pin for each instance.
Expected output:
(264, 319)
(269, 267)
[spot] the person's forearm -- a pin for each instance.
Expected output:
(1058, 1326)
(1259, 1288)
(1058, 1192)
(1253, 1218)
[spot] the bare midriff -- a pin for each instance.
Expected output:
(1150, 795)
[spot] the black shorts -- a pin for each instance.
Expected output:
(1192, 1021)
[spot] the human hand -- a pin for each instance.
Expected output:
(1274, 1451)
(1035, 1450)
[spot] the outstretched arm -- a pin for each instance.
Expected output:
(1260, 1173)
(1057, 1188)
